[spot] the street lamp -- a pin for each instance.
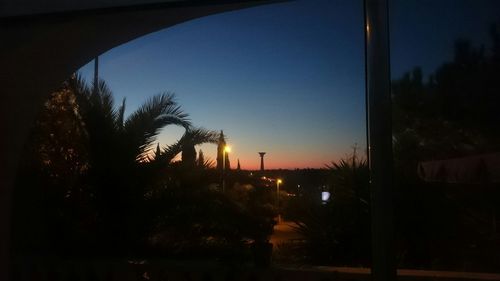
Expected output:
(226, 150)
(278, 182)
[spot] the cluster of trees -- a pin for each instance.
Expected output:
(92, 184)
(89, 184)
(453, 113)
(335, 232)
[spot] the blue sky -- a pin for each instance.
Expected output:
(286, 78)
(423, 31)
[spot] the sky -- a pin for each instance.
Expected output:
(423, 31)
(287, 78)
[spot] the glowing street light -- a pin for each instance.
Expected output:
(226, 150)
(278, 182)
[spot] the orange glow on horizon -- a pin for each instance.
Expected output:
(289, 165)
(285, 157)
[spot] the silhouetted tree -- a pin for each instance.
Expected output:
(50, 198)
(117, 151)
(194, 137)
(454, 113)
(157, 151)
(204, 163)
(337, 232)
(100, 188)
(201, 159)
(220, 152)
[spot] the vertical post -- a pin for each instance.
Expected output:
(224, 170)
(96, 74)
(379, 127)
(278, 181)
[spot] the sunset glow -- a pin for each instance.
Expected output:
(292, 85)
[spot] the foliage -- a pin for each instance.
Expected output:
(202, 162)
(117, 149)
(453, 113)
(51, 175)
(338, 232)
(96, 187)
(192, 221)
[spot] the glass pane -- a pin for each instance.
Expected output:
(236, 138)
(445, 69)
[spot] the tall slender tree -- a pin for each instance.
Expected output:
(221, 154)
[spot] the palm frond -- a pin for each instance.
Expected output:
(208, 163)
(78, 85)
(191, 137)
(196, 136)
(106, 101)
(97, 105)
(169, 152)
(144, 125)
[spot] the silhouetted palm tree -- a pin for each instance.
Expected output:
(118, 149)
(137, 133)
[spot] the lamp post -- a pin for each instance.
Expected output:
(278, 182)
(226, 150)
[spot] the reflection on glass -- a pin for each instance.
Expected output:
(446, 136)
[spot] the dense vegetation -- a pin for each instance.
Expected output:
(90, 184)
(453, 113)
(336, 231)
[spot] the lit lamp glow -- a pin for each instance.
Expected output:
(278, 182)
(325, 196)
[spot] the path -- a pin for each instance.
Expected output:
(284, 232)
